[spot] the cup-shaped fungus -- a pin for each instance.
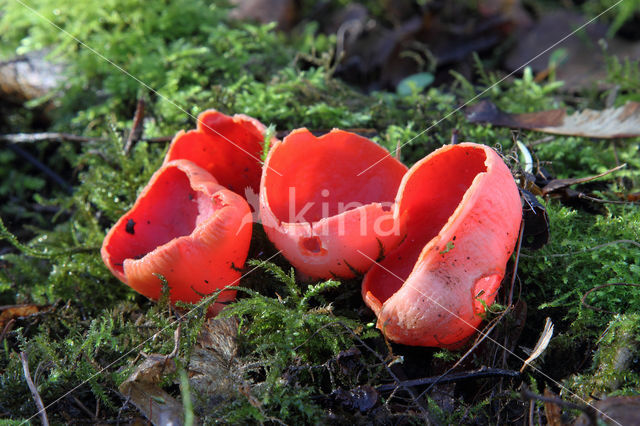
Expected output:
(462, 212)
(185, 227)
(227, 147)
(318, 207)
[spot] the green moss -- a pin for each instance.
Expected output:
(294, 328)
(196, 59)
(615, 363)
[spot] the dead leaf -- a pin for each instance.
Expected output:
(632, 197)
(362, 398)
(541, 345)
(284, 12)
(214, 372)
(617, 410)
(156, 404)
(553, 412)
(537, 230)
(143, 390)
(375, 56)
(558, 184)
(584, 63)
(621, 122)
(8, 313)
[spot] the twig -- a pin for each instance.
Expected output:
(7, 329)
(542, 140)
(83, 407)
(484, 335)
(485, 372)
(454, 136)
(46, 137)
(176, 342)
(594, 308)
(525, 393)
(42, 167)
(136, 126)
(396, 379)
(33, 389)
(515, 266)
(610, 243)
(67, 137)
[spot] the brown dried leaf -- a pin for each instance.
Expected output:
(618, 410)
(553, 412)
(621, 122)
(541, 345)
(584, 65)
(214, 372)
(558, 184)
(284, 12)
(8, 313)
(156, 404)
(142, 389)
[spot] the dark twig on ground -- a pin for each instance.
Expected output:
(84, 408)
(455, 377)
(42, 167)
(484, 334)
(526, 394)
(455, 133)
(33, 389)
(418, 400)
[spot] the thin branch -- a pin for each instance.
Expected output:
(83, 408)
(482, 373)
(455, 133)
(588, 410)
(136, 127)
(46, 137)
(417, 399)
(33, 389)
(483, 336)
(42, 167)
(594, 308)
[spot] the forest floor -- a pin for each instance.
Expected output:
(91, 94)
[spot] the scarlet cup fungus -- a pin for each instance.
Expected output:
(461, 209)
(227, 147)
(185, 227)
(319, 211)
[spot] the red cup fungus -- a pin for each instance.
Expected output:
(320, 210)
(461, 210)
(185, 227)
(227, 147)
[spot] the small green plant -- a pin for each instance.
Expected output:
(293, 329)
